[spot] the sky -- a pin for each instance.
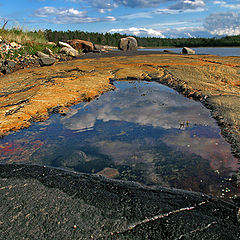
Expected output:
(146, 18)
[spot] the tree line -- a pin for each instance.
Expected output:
(113, 39)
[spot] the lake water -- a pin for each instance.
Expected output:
(219, 51)
(142, 131)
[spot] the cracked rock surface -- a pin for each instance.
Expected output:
(45, 203)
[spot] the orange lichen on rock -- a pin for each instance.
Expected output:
(32, 94)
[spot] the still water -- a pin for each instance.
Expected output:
(219, 51)
(142, 131)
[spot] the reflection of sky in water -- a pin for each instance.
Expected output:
(142, 131)
(142, 103)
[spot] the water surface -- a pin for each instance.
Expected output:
(142, 131)
(219, 51)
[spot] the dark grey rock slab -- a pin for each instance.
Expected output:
(45, 203)
(48, 61)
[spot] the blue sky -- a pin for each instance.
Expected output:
(158, 18)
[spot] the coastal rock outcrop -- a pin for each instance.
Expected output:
(78, 44)
(187, 50)
(128, 44)
(68, 49)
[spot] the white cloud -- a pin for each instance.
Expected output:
(140, 3)
(188, 4)
(168, 11)
(192, 31)
(148, 110)
(227, 5)
(68, 16)
(227, 23)
(166, 31)
(101, 6)
(52, 11)
(141, 32)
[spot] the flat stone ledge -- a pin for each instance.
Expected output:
(44, 203)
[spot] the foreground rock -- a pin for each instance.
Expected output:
(45, 59)
(44, 203)
(128, 44)
(69, 51)
(84, 46)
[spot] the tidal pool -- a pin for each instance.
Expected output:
(142, 131)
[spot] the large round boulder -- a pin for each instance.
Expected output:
(78, 44)
(128, 44)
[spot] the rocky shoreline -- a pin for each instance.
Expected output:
(210, 79)
(74, 205)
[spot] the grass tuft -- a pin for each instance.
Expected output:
(21, 36)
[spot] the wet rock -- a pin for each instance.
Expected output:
(187, 50)
(128, 44)
(69, 51)
(74, 159)
(78, 44)
(168, 51)
(46, 61)
(66, 205)
(109, 172)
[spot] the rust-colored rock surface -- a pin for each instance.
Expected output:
(32, 94)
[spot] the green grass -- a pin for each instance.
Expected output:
(32, 41)
(23, 36)
(30, 49)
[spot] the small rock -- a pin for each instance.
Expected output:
(109, 172)
(63, 44)
(10, 64)
(187, 50)
(70, 51)
(5, 70)
(168, 51)
(14, 45)
(52, 43)
(235, 180)
(48, 51)
(48, 61)
(41, 55)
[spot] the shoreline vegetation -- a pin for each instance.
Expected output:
(37, 40)
(148, 42)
